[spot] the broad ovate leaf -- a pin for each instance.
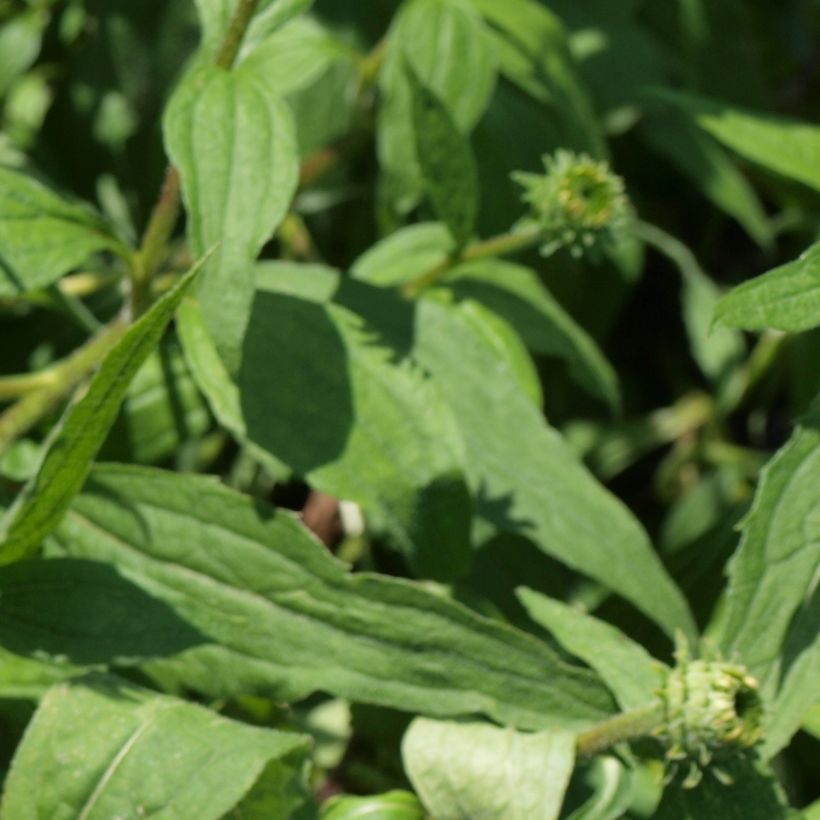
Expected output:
(475, 771)
(284, 619)
(100, 747)
(43, 236)
(786, 298)
(76, 440)
(233, 141)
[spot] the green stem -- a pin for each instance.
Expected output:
(630, 725)
(74, 309)
(240, 21)
(52, 385)
(496, 246)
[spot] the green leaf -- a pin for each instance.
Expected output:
(613, 785)
(42, 236)
(405, 254)
(475, 771)
(28, 679)
(83, 612)
(786, 146)
(100, 748)
(233, 142)
(534, 54)
(162, 410)
(380, 434)
(527, 478)
(751, 795)
(287, 620)
(75, 441)
(786, 298)
(517, 294)
(395, 805)
(215, 17)
(772, 573)
(446, 161)
(631, 673)
(449, 49)
(704, 161)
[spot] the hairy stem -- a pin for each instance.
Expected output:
(630, 725)
(236, 33)
(496, 246)
(54, 384)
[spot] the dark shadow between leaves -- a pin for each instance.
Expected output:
(294, 383)
(497, 511)
(85, 612)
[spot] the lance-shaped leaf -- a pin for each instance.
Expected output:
(446, 161)
(100, 747)
(625, 666)
(42, 236)
(516, 293)
(76, 440)
(772, 572)
(786, 298)
(528, 479)
(483, 772)
(233, 142)
(786, 146)
(286, 619)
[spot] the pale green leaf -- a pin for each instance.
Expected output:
(450, 50)
(632, 674)
(447, 164)
(786, 298)
(233, 142)
(395, 805)
(23, 678)
(43, 236)
(517, 294)
(527, 478)
(787, 146)
(76, 440)
(405, 254)
(285, 619)
(475, 771)
(772, 573)
(614, 789)
(100, 748)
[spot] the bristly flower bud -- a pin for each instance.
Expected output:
(579, 204)
(711, 711)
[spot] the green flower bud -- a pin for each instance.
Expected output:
(578, 204)
(711, 711)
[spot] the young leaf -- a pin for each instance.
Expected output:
(234, 144)
(449, 49)
(786, 298)
(101, 748)
(773, 569)
(395, 805)
(788, 147)
(517, 294)
(42, 236)
(446, 161)
(529, 481)
(285, 618)
(483, 772)
(626, 667)
(75, 441)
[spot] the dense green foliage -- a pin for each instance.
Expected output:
(409, 409)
